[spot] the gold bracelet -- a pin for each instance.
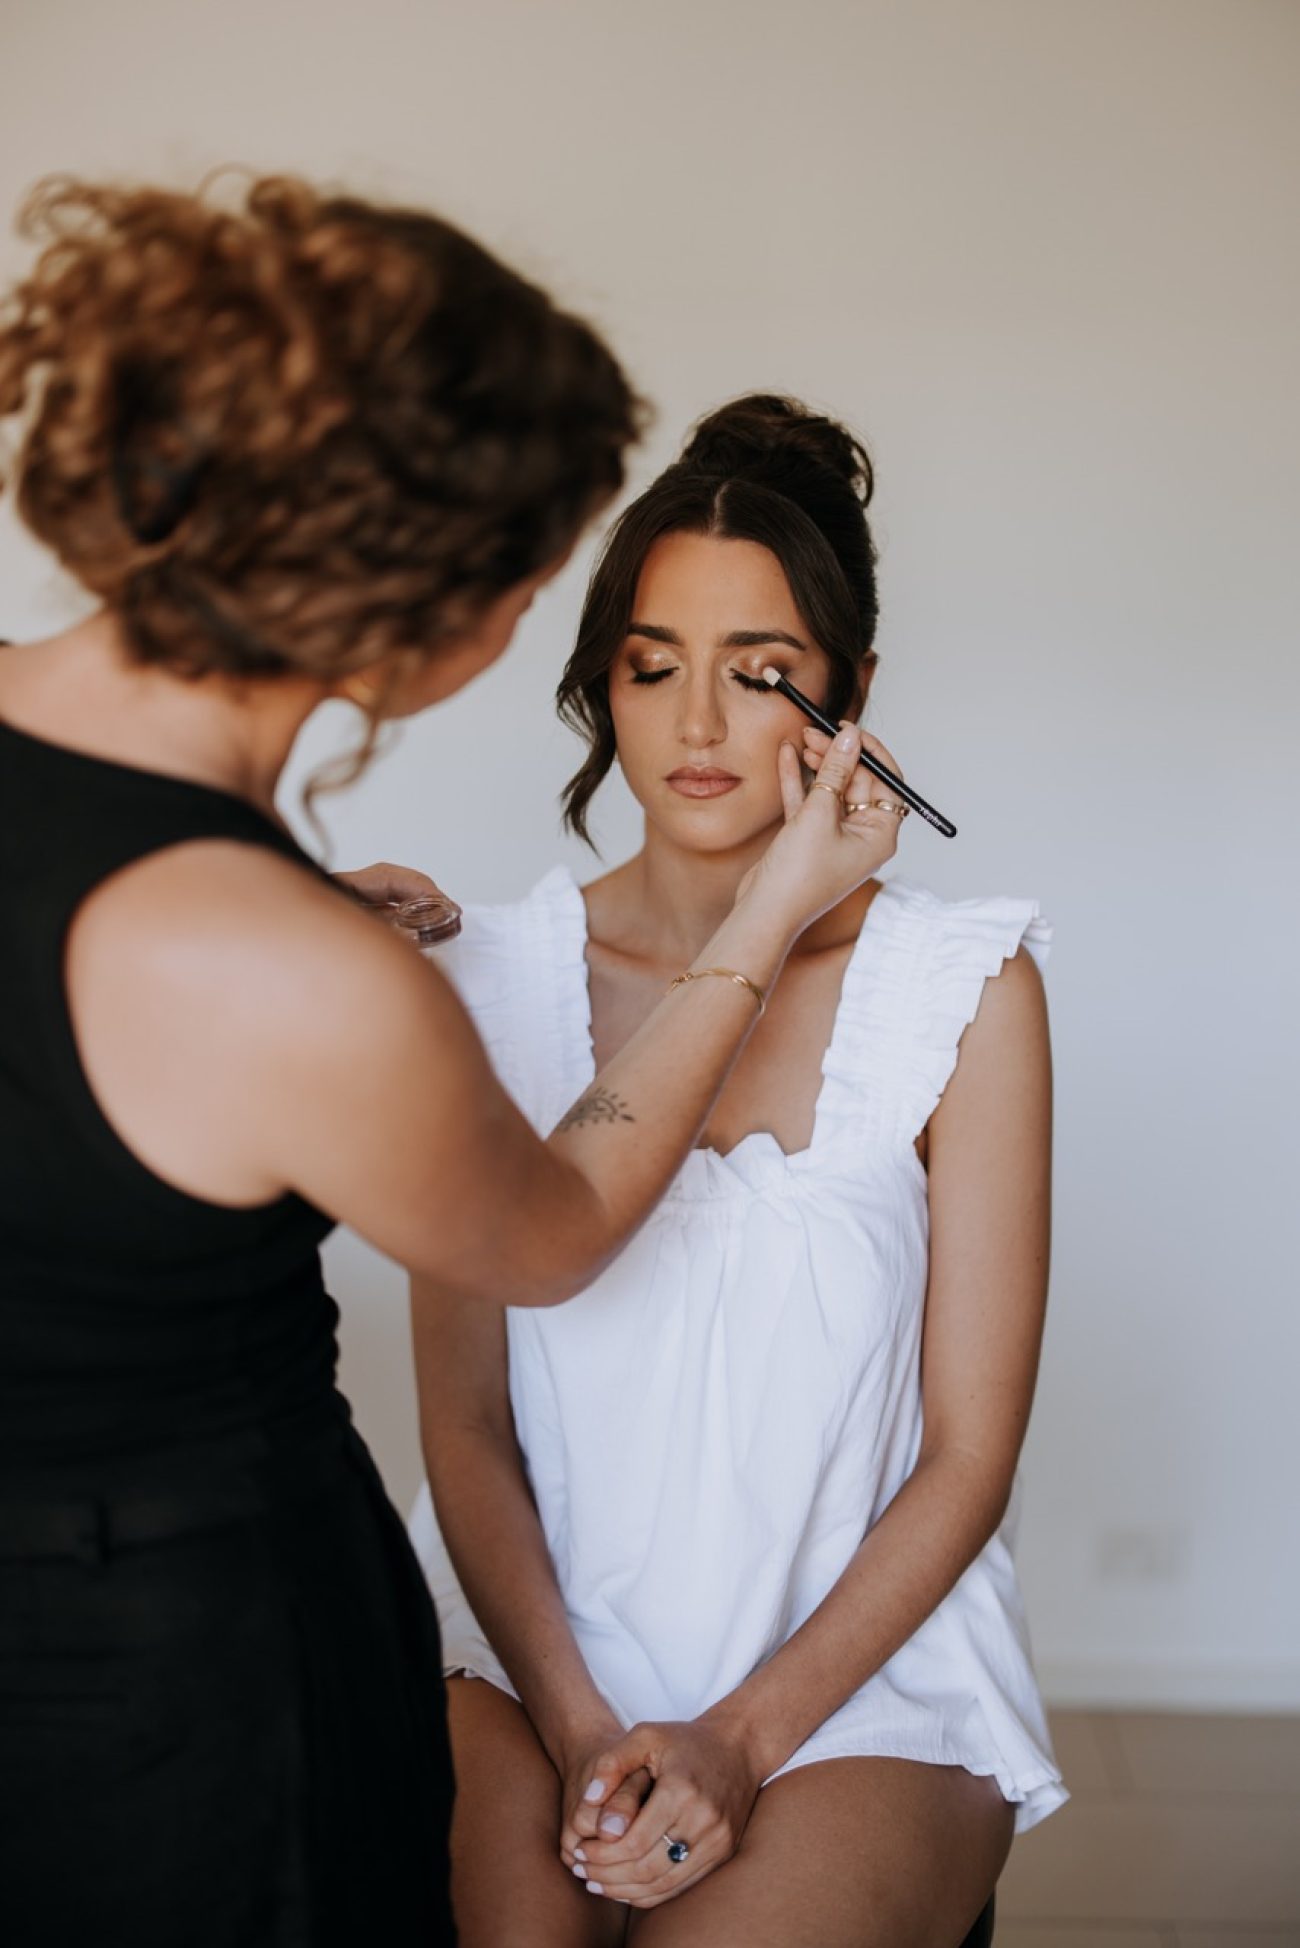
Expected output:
(727, 974)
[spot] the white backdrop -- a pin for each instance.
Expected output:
(1043, 256)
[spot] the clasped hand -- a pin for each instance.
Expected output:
(687, 1781)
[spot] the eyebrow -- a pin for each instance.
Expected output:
(734, 639)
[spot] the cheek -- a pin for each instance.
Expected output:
(641, 724)
(785, 728)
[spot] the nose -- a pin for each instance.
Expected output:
(701, 721)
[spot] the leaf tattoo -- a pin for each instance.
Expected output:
(597, 1106)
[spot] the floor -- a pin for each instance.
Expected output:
(1183, 1831)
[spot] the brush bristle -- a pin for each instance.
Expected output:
(771, 676)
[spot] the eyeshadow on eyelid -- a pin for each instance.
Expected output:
(744, 678)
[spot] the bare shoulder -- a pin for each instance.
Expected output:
(1004, 1058)
(236, 1016)
(1014, 999)
(1011, 1020)
(244, 933)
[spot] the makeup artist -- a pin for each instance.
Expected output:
(299, 448)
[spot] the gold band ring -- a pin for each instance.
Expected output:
(880, 805)
(819, 786)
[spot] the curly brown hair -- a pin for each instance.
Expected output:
(305, 433)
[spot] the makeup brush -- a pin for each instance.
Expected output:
(877, 769)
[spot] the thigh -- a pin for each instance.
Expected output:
(509, 1887)
(849, 1853)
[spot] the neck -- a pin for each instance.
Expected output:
(675, 900)
(665, 904)
(84, 688)
(682, 898)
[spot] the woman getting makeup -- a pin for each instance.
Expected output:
(726, 1540)
(297, 446)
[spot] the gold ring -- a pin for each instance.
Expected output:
(819, 786)
(890, 805)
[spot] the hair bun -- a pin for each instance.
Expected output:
(764, 433)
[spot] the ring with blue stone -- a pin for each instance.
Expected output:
(677, 1850)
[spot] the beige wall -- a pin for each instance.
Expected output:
(1043, 255)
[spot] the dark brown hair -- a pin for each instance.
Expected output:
(762, 469)
(298, 434)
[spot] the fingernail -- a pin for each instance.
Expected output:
(595, 1791)
(578, 1854)
(847, 738)
(614, 1824)
(581, 1872)
(594, 1887)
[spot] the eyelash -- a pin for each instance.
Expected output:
(657, 676)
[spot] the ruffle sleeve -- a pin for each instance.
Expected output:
(911, 990)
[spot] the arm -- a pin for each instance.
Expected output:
(494, 1537)
(249, 1033)
(989, 1191)
(489, 1521)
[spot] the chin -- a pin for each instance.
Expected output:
(715, 831)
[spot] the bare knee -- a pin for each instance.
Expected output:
(863, 1853)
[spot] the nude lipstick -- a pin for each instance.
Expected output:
(702, 781)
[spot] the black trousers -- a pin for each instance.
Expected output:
(222, 1716)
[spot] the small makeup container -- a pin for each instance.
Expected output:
(426, 922)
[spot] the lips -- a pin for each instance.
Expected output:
(702, 781)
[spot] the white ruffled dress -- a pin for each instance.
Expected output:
(714, 1424)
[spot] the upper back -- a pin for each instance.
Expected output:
(97, 1250)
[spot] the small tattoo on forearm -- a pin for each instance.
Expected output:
(597, 1106)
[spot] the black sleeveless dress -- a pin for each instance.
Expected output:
(221, 1708)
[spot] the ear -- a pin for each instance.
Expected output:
(866, 670)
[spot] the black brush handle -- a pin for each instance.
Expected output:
(878, 770)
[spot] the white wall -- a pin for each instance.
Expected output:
(1043, 255)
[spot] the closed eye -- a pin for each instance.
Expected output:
(745, 682)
